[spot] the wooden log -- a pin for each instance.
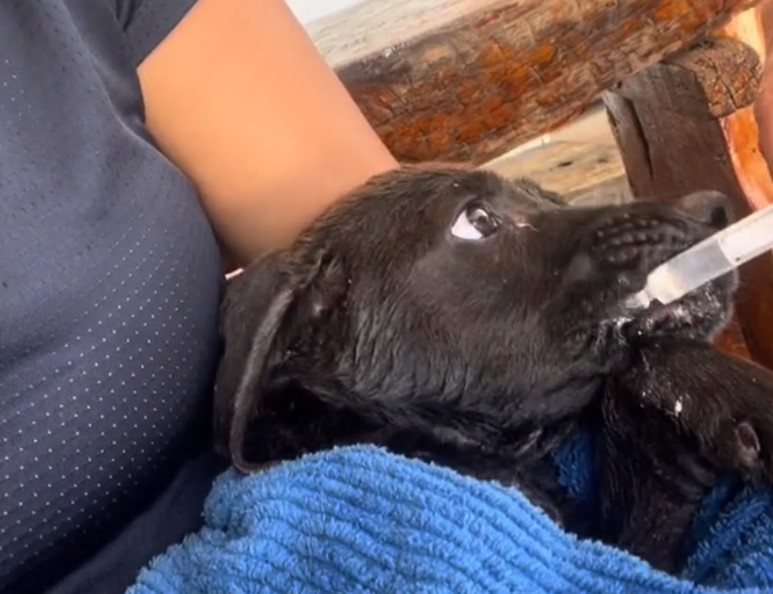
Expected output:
(668, 153)
(711, 81)
(467, 80)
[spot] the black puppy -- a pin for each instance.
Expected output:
(450, 315)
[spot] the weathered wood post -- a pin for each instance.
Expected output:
(687, 123)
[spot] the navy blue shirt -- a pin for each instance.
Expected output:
(109, 286)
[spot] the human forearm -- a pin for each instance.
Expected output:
(239, 98)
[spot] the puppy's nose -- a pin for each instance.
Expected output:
(709, 207)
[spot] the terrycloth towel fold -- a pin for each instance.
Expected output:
(361, 520)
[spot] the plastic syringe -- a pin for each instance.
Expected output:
(709, 259)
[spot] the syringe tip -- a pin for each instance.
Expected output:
(640, 300)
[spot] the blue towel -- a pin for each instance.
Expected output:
(362, 520)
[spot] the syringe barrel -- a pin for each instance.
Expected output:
(713, 257)
(687, 271)
(749, 237)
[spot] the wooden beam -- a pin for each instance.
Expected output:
(467, 80)
(670, 151)
(711, 81)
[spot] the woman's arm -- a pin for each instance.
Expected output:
(238, 97)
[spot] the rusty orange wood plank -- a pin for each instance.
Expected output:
(467, 80)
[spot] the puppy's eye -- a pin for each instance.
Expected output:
(475, 222)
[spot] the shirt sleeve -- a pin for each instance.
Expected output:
(147, 22)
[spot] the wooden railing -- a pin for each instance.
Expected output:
(468, 80)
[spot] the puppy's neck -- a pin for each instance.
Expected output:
(297, 422)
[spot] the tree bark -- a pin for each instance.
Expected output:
(467, 80)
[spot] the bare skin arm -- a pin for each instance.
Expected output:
(238, 97)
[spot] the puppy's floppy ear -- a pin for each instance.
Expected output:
(254, 312)
(251, 312)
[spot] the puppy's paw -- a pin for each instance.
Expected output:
(746, 447)
(722, 403)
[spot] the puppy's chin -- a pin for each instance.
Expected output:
(699, 316)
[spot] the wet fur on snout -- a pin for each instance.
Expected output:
(380, 325)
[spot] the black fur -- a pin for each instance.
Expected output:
(681, 416)
(379, 325)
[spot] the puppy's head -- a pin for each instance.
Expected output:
(449, 300)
